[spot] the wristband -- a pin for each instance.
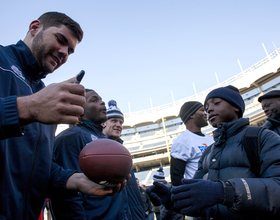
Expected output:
(228, 194)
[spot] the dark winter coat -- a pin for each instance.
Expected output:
(146, 200)
(28, 174)
(272, 124)
(255, 198)
(126, 205)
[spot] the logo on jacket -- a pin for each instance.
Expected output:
(202, 148)
(93, 137)
(17, 71)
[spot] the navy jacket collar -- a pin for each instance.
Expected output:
(95, 127)
(273, 121)
(27, 61)
(226, 130)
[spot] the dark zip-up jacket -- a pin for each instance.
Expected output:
(254, 198)
(146, 200)
(124, 205)
(273, 125)
(27, 174)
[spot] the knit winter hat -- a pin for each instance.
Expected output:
(271, 94)
(231, 95)
(188, 109)
(159, 175)
(113, 111)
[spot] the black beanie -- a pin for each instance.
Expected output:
(188, 109)
(231, 95)
(271, 94)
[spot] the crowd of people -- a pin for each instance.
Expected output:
(211, 177)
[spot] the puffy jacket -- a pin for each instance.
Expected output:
(272, 124)
(255, 198)
(28, 174)
(126, 205)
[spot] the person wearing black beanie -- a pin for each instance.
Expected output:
(231, 95)
(225, 185)
(271, 107)
(190, 144)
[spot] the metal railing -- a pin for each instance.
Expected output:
(203, 94)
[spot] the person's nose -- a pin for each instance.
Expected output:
(63, 51)
(209, 109)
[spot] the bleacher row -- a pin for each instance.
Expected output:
(146, 177)
(177, 127)
(151, 133)
(153, 138)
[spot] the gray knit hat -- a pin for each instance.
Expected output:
(159, 175)
(188, 109)
(113, 111)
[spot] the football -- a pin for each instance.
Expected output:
(105, 161)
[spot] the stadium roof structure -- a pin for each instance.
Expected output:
(254, 77)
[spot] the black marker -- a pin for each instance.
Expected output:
(79, 77)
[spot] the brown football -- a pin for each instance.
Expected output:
(105, 161)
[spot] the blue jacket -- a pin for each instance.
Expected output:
(255, 198)
(28, 174)
(272, 124)
(124, 205)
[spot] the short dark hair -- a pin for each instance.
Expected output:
(56, 19)
(89, 90)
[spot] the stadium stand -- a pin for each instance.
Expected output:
(154, 145)
(148, 134)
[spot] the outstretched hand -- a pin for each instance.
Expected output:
(159, 194)
(79, 182)
(196, 195)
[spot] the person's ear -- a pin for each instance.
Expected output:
(35, 27)
(237, 111)
(191, 117)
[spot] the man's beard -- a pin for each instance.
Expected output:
(38, 51)
(200, 123)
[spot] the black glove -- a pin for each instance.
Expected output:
(196, 195)
(159, 194)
